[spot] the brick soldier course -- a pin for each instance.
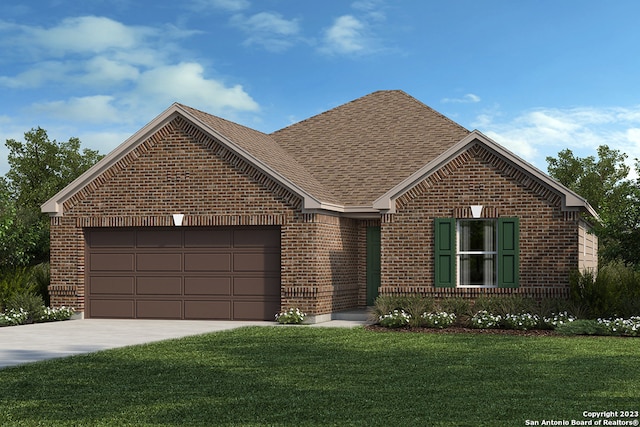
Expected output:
(382, 162)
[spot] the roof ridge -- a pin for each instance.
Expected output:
(331, 110)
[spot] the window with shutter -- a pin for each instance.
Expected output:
(477, 252)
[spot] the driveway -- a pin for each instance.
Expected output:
(31, 343)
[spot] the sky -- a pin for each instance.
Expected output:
(536, 76)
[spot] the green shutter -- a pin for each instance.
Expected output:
(445, 252)
(508, 252)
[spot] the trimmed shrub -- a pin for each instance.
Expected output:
(582, 327)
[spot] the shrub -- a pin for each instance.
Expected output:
(14, 281)
(582, 327)
(414, 306)
(503, 305)
(619, 326)
(395, 319)
(461, 307)
(291, 316)
(523, 321)
(613, 291)
(29, 302)
(55, 314)
(13, 317)
(484, 320)
(385, 304)
(440, 319)
(555, 319)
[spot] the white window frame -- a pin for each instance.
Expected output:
(459, 254)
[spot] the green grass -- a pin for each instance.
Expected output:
(263, 376)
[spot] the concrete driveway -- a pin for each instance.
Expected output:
(31, 343)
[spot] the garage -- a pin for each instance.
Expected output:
(214, 273)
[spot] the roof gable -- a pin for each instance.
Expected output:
(570, 200)
(365, 147)
(253, 146)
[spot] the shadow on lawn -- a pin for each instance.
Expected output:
(287, 376)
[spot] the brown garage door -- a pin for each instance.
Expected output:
(183, 273)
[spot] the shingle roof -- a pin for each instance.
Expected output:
(365, 147)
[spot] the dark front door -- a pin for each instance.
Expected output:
(373, 263)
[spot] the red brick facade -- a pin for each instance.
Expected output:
(179, 170)
(182, 169)
(548, 236)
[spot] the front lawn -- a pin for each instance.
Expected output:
(320, 376)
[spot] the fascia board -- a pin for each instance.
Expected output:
(570, 200)
(54, 206)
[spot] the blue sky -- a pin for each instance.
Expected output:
(537, 76)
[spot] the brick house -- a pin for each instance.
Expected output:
(196, 217)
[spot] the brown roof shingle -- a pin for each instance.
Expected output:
(363, 148)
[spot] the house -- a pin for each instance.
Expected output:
(196, 217)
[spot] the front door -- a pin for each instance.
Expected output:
(373, 263)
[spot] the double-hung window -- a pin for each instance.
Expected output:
(477, 252)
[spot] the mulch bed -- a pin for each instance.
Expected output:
(461, 330)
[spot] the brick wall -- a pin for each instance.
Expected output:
(181, 170)
(548, 236)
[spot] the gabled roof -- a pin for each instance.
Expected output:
(356, 158)
(365, 147)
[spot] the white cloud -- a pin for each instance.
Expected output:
(138, 67)
(539, 133)
(268, 29)
(469, 98)
(84, 34)
(88, 109)
(347, 35)
(185, 83)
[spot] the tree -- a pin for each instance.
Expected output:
(39, 168)
(604, 182)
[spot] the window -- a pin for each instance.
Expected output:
(477, 252)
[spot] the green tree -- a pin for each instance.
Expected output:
(39, 168)
(604, 182)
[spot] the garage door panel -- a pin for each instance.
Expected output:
(159, 262)
(159, 239)
(256, 261)
(207, 262)
(112, 262)
(112, 239)
(258, 238)
(207, 238)
(159, 286)
(183, 272)
(111, 308)
(111, 285)
(214, 310)
(252, 310)
(159, 309)
(254, 286)
(207, 286)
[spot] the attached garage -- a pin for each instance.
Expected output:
(221, 273)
